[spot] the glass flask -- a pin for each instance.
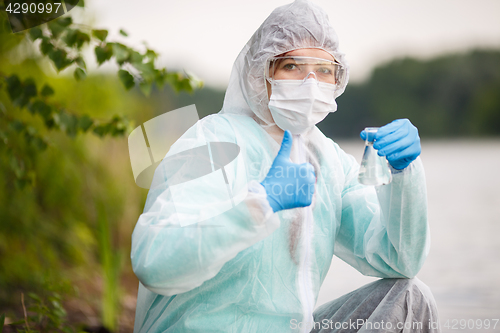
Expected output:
(374, 169)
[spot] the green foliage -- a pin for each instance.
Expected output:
(100, 34)
(111, 264)
(126, 78)
(80, 74)
(62, 42)
(42, 315)
(23, 94)
(35, 33)
(103, 53)
(53, 177)
(47, 91)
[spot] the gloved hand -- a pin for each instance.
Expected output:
(398, 142)
(289, 185)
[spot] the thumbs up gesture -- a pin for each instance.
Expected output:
(289, 185)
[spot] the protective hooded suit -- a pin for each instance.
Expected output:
(248, 269)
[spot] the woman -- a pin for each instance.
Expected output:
(258, 265)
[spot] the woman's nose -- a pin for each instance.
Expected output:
(311, 74)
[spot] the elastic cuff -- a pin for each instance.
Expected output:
(409, 168)
(395, 171)
(258, 189)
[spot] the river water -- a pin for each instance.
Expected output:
(463, 267)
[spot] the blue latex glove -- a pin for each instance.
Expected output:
(398, 142)
(289, 185)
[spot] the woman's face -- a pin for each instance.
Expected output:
(315, 53)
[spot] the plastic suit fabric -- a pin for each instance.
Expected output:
(248, 269)
(385, 305)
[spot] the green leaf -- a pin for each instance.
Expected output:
(59, 57)
(27, 91)
(160, 77)
(46, 112)
(50, 123)
(85, 122)
(69, 123)
(46, 46)
(14, 87)
(35, 106)
(151, 55)
(41, 108)
(66, 21)
(183, 83)
(80, 74)
(123, 33)
(101, 130)
(118, 126)
(178, 82)
(47, 90)
(29, 88)
(55, 28)
(52, 120)
(70, 37)
(100, 34)
(80, 62)
(120, 52)
(126, 78)
(147, 70)
(103, 53)
(17, 125)
(75, 37)
(36, 33)
(135, 57)
(82, 38)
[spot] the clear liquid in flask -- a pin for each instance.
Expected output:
(374, 169)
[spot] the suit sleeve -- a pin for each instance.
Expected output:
(170, 257)
(384, 230)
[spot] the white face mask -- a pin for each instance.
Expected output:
(298, 105)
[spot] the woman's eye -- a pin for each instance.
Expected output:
(325, 70)
(290, 67)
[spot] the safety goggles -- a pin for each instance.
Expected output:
(300, 68)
